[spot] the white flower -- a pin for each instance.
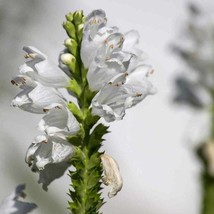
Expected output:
(100, 72)
(112, 176)
(49, 156)
(95, 33)
(59, 121)
(12, 203)
(131, 40)
(122, 92)
(40, 69)
(34, 97)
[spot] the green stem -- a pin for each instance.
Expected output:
(207, 179)
(208, 194)
(86, 178)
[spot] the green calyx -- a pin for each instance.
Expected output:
(85, 185)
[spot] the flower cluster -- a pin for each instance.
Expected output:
(116, 68)
(13, 204)
(105, 72)
(39, 81)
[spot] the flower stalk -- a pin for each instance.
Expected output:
(86, 188)
(207, 176)
(105, 73)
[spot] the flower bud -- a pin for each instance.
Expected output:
(79, 31)
(70, 17)
(69, 60)
(70, 29)
(112, 175)
(72, 45)
(78, 17)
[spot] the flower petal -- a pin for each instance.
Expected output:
(122, 92)
(89, 47)
(131, 39)
(113, 42)
(49, 156)
(100, 72)
(40, 69)
(23, 82)
(112, 176)
(59, 121)
(109, 101)
(93, 22)
(11, 204)
(36, 99)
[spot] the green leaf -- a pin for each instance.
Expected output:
(96, 138)
(76, 140)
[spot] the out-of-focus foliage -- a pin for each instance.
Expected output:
(195, 48)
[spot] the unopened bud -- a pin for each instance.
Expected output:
(72, 45)
(70, 29)
(79, 31)
(70, 17)
(78, 17)
(69, 60)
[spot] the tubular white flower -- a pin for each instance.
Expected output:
(49, 156)
(112, 176)
(122, 92)
(109, 101)
(12, 204)
(95, 33)
(59, 121)
(131, 40)
(35, 97)
(113, 42)
(40, 69)
(119, 62)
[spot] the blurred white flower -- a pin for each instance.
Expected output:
(112, 176)
(40, 69)
(12, 203)
(49, 157)
(58, 121)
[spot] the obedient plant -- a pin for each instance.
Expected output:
(105, 73)
(196, 50)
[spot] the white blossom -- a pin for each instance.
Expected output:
(40, 69)
(105, 70)
(34, 97)
(95, 33)
(122, 92)
(112, 176)
(49, 157)
(58, 121)
(13, 204)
